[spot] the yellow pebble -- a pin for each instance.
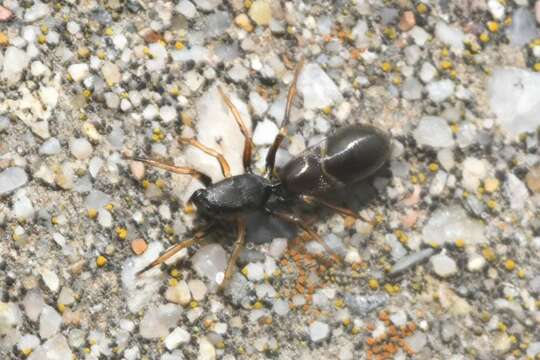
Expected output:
(245, 271)
(41, 39)
(61, 308)
(109, 206)
(193, 304)
(44, 29)
(445, 65)
(386, 67)
(491, 185)
(179, 45)
(421, 8)
(101, 54)
(87, 93)
(433, 167)
(460, 243)
(4, 40)
(26, 352)
(536, 67)
(258, 305)
(484, 37)
(489, 254)
(339, 303)
(173, 282)
(101, 261)
(121, 232)
(493, 26)
(502, 327)
(521, 274)
(510, 264)
(373, 284)
(109, 31)
(492, 204)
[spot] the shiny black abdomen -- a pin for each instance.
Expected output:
(348, 155)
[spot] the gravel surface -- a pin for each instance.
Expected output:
(441, 263)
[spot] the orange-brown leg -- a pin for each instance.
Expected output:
(225, 168)
(302, 224)
(174, 250)
(271, 156)
(205, 179)
(311, 200)
(248, 144)
(238, 246)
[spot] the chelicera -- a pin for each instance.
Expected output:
(348, 155)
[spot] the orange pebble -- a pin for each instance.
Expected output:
(139, 246)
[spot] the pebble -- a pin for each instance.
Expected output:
(50, 279)
(66, 296)
(242, 20)
(533, 179)
(513, 97)
(11, 179)
(33, 304)
(439, 91)
(281, 307)
(111, 73)
(105, 218)
(265, 132)
(53, 349)
(412, 89)
(28, 343)
(51, 146)
(209, 261)
(15, 62)
(317, 88)
(364, 304)
(79, 72)
(168, 114)
(138, 246)
(448, 224)
(427, 72)
(37, 11)
(476, 262)
(516, 192)
(496, 9)
(206, 350)
(474, 171)
(433, 131)
(177, 337)
(443, 265)
(261, 12)
(158, 320)
(407, 21)
(179, 293)
(450, 35)
(318, 331)
(80, 148)
(23, 208)
(10, 321)
(49, 322)
(187, 9)
(198, 289)
(523, 28)
(278, 246)
(255, 271)
(411, 260)
(416, 342)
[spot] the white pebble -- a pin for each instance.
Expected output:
(278, 246)
(443, 265)
(80, 148)
(433, 131)
(49, 322)
(255, 271)
(79, 72)
(177, 337)
(265, 132)
(318, 331)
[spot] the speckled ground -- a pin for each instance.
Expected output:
(441, 262)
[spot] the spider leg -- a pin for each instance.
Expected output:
(225, 168)
(238, 246)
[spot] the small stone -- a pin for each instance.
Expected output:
(4, 40)
(516, 192)
(168, 114)
(265, 132)
(407, 21)
(137, 169)
(318, 331)
(49, 322)
(474, 171)
(261, 12)
(317, 88)
(209, 261)
(496, 9)
(242, 20)
(450, 35)
(53, 349)
(278, 246)
(79, 72)
(412, 89)
(207, 5)
(448, 224)
(281, 307)
(427, 72)
(33, 304)
(523, 28)
(11, 179)
(105, 218)
(112, 100)
(66, 296)
(187, 9)
(177, 337)
(438, 91)
(410, 260)
(10, 321)
(198, 289)
(139, 246)
(50, 279)
(206, 350)
(5, 14)
(255, 271)
(158, 320)
(15, 62)
(80, 148)
(111, 73)
(50, 147)
(37, 11)
(533, 179)
(476, 262)
(433, 131)
(27, 343)
(179, 293)
(416, 342)
(443, 265)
